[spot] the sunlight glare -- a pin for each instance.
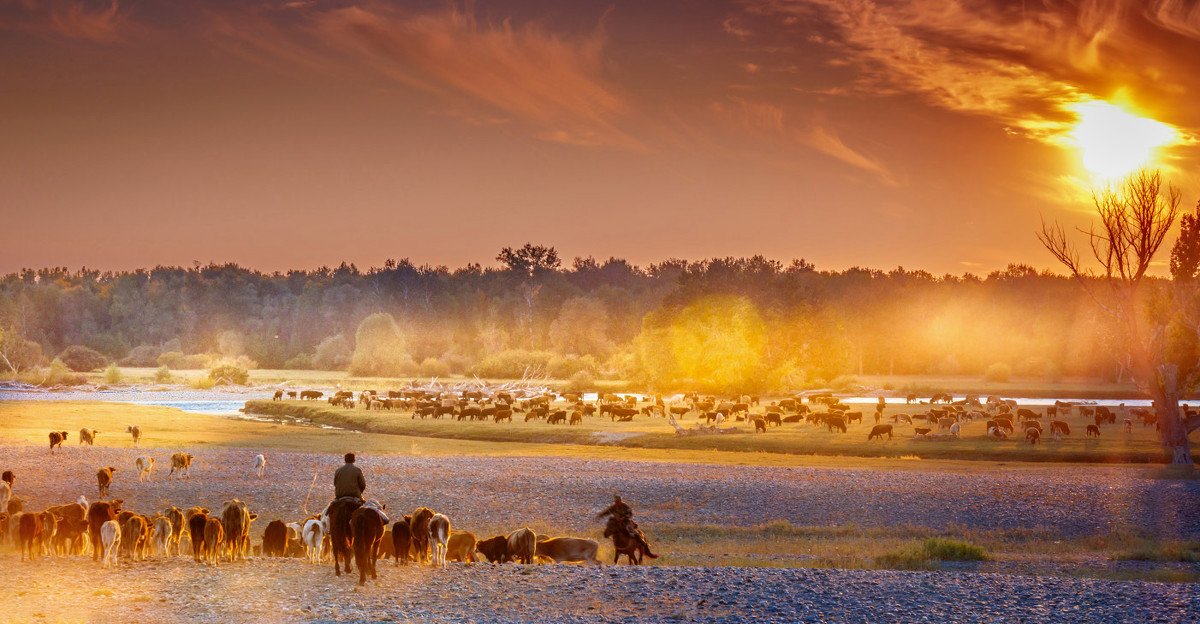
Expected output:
(1114, 142)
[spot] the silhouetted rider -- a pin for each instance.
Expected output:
(349, 481)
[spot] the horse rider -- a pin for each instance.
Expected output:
(348, 481)
(620, 518)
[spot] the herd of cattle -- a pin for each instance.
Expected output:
(939, 417)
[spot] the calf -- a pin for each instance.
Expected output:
(921, 431)
(236, 520)
(181, 462)
(1059, 428)
(109, 541)
(29, 535)
(104, 478)
(136, 432)
(314, 539)
(274, 540)
(164, 536)
(56, 439)
(87, 436)
(196, 523)
(1093, 431)
(1033, 434)
(853, 416)
(760, 425)
(214, 537)
(402, 540)
(133, 533)
(99, 513)
(461, 547)
(878, 431)
(260, 465)
(439, 535)
(494, 549)
(145, 468)
(278, 396)
(560, 549)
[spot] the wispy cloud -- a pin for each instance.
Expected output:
(554, 83)
(103, 22)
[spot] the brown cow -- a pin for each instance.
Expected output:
(760, 425)
(1033, 434)
(560, 549)
(88, 436)
(522, 546)
(402, 540)
(419, 530)
(104, 478)
(183, 463)
(275, 538)
(196, 523)
(97, 514)
(56, 439)
(878, 431)
(1093, 431)
(236, 520)
(133, 537)
(461, 547)
(494, 548)
(214, 537)
(29, 535)
(366, 525)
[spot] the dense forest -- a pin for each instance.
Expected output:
(710, 324)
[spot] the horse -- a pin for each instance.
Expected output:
(631, 547)
(340, 535)
(366, 526)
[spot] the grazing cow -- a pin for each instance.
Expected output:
(1005, 424)
(97, 514)
(947, 422)
(439, 536)
(560, 549)
(196, 524)
(313, 537)
(366, 526)
(136, 432)
(164, 533)
(109, 534)
(214, 538)
(503, 414)
(104, 478)
(145, 468)
(775, 418)
(1059, 428)
(278, 396)
(88, 436)
(56, 439)
(260, 465)
(522, 546)
(181, 462)
(853, 416)
(419, 530)
(878, 431)
(311, 395)
(835, 422)
(402, 540)
(494, 549)
(275, 539)
(1033, 434)
(1093, 431)
(558, 416)
(921, 431)
(29, 535)
(236, 520)
(576, 418)
(760, 425)
(996, 433)
(461, 547)
(955, 429)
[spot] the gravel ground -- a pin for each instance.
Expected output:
(496, 493)
(289, 591)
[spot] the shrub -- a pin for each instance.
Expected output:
(433, 367)
(176, 360)
(112, 375)
(581, 381)
(925, 555)
(82, 359)
(565, 366)
(58, 374)
(203, 383)
(380, 349)
(333, 353)
(513, 364)
(163, 375)
(998, 372)
(229, 374)
(143, 356)
(844, 383)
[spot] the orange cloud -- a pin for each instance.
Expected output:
(71, 20)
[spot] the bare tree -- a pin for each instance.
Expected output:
(1133, 222)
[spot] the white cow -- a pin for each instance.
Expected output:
(164, 536)
(439, 535)
(145, 468)
(314, 538)
(260, 465)
(110, 540)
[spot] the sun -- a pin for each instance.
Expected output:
(1114, 142)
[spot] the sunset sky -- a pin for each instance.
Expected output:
(291, 134)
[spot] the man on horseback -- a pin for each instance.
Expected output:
(349, 481)
(620, 519)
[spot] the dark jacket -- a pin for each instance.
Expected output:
(349, 481)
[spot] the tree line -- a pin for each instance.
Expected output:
(715, 324)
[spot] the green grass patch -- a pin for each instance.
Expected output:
(927, 554)
(1185, 552)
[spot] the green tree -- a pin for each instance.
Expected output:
(530, 259)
